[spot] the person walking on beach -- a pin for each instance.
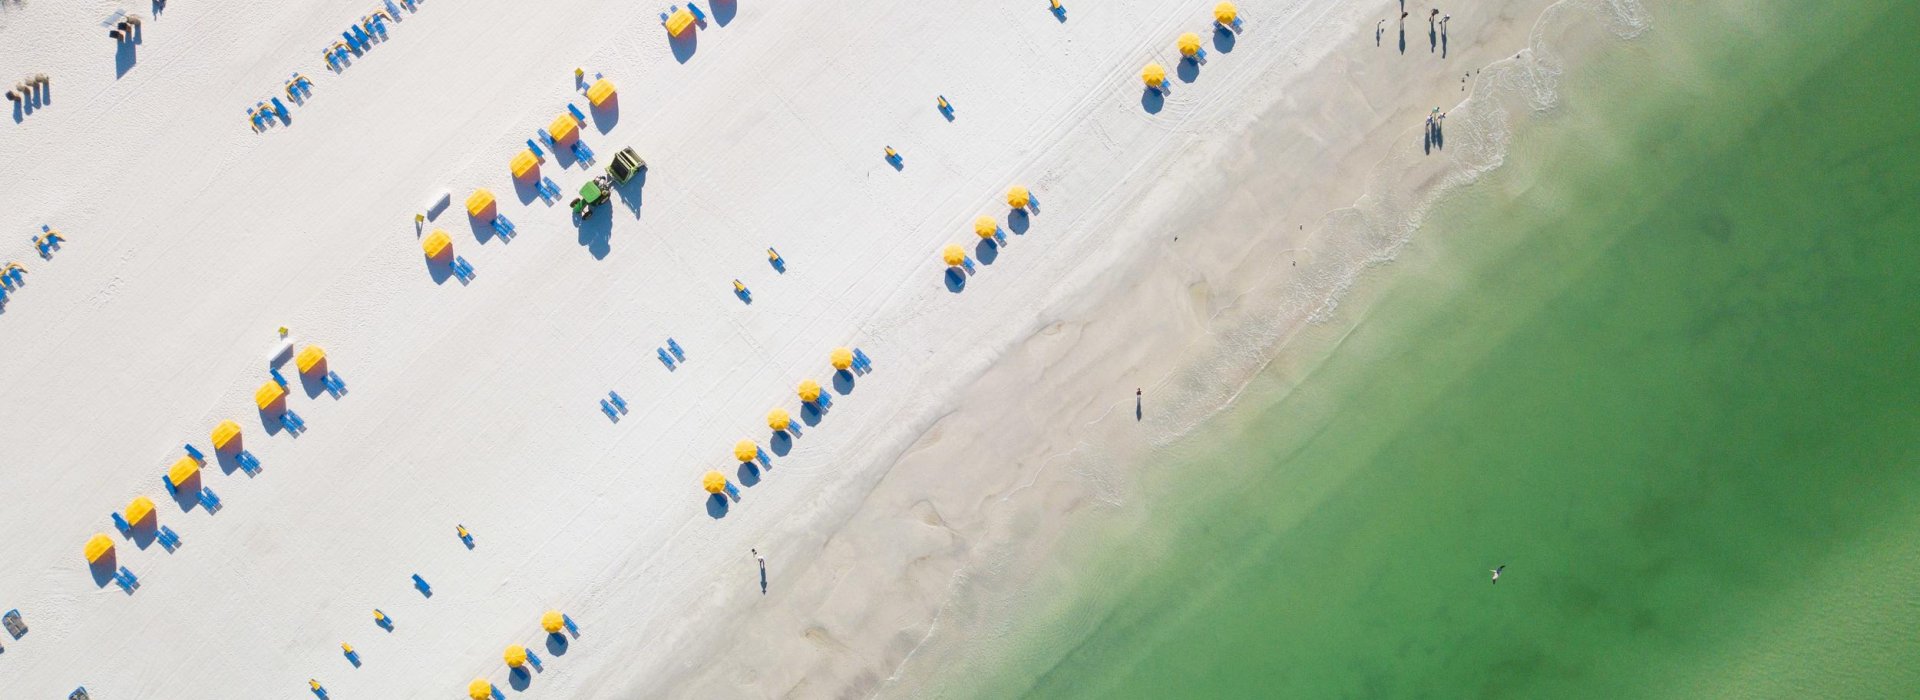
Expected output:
(763, 569)
(1378, 31)
(1136, 404)
(1496, 574)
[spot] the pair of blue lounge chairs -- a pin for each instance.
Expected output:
(126, 579)
(613, 405)
(209, 500)
(334, 384)
(421, 584)
(462, 269)
(665, 359)
(678, 354)
(194, 453)
(277, 377)
(292, 422)
(502, 226)
(537, 153)
(121, 524)
(575, 111)
(168, 538)
(861, 362)
(248, 463)
(547, 189)
(581, 151)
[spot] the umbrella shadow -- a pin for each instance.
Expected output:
(749, 474)
(843, 382)
(1224, 39)
(596, 235)
(606, 114)
(187, 495)
(986, 251)
(229, 457)
(724, 10)
(104, 568)
(1018, 221)
(440, 269)
(1188, 69)
(519, 678)
(124, 56)
(270, 417)
(1152, 100)
(811, 414)
(717, 506)
(310, 380)
(631, 192)
(482, 225)
(685, 44)
(557, 644)
(781, 444)
(146, 532)
(956, 280)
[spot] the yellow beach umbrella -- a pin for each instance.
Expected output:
(552, 621)
(268, 394)
(98, 546)
(1225, 13)
(778, 419)
(478, 202)
(139, 509)
(225, 433)
(1018, 198)
(809, 391)
(562, 128)
(310, 357)
(745, 450)
(479, 689)
(953, 255)
(524, 162)
(601, 90)
(182, 470)
(1154, 74)
(679, 21)
(985, 227)
(841, 358)
(1189, 44)
(436, 243)
(714, 482)
(516, 655)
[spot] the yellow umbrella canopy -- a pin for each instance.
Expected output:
(1189, 44)
(745, 450)
(182, 470)
(97, 546)
(985, 226)
(1017, 197)
(309, 358)
(1225, 13)
(436, 243)
(552, 621)
(139, 509)
(679, 21)
(516, 655)
(524, 162)
(601, 90)
(953, 255)
(224, 433)
(714, 482)
(562, 128)
(268, 393)
(842, 358)
(478, 202)
(778, 419)
(479, 689)
(809, 391)
(1154, 74)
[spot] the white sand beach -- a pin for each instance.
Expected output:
(191, 237)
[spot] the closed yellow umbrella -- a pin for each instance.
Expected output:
(479, 689)
(479, 201)
(1225, 13)
(139, 509)
(809, 391)
(1017, 197)
(268, 394)
(778, 419)
(745, 450)
(714, 482)
(953, 255)
(310, 357)
(1189, 44)
(601, 90)
(562, 128)
(552, 621)
(679, 21)
(516, 655)
(524, 162)
(224, 433)
(842, 358)
(436, 243)
(182, 470)
(98, 546)
(1154, 74)
(985, 227)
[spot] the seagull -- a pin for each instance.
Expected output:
(1496, 573)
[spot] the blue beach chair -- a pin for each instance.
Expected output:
(575, 111)
(462, 269)
(607, 408)
(248, 463)
(571, 628)
(698, 16)
(537, 153)
(168, 538)
(675, 347)
(826, 399)
(665, 359)
(280, 110)
(421, 584)
(121, 524)
(352, 43)
(618, 402)
(209, 499)
(277, 379)
(392, 10)
(581, 151)
(545, 138)
(502, 226)
(195, 454)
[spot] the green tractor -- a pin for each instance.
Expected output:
(626, 164)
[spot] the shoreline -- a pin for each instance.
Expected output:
(926, 559)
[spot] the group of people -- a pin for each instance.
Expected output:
(1436, 30)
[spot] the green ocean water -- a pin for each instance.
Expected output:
(1664, 366)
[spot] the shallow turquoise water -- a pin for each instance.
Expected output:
(1665, 366)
